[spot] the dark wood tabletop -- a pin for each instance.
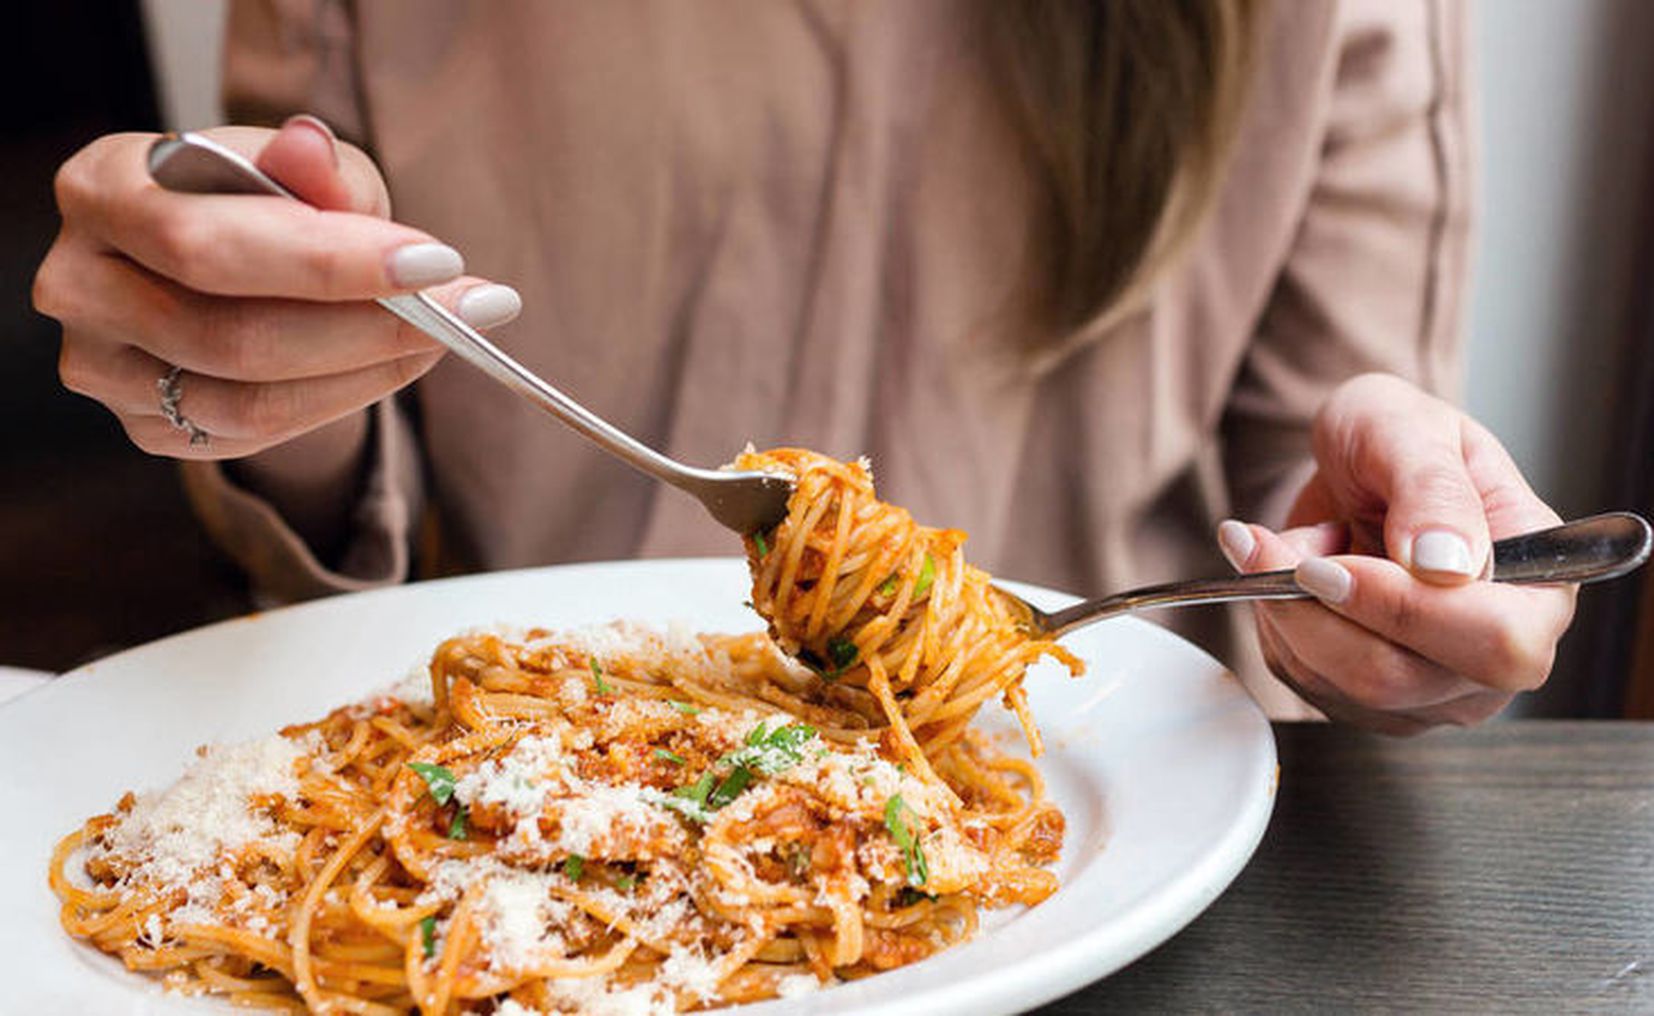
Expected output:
(1504, 869)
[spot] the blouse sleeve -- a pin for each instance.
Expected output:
(283, 57)
(282, 568)
(1377, 275)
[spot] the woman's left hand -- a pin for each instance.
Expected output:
(1391, 534)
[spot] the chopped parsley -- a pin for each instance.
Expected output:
(843, 653)
(913, 852)
(909, 896)
(888, 586)
(625, 883)
(762, 544)
(669, 756)
(699, 790)
(456, 828)
(765, 753)
(438, 779)
(772, 751)
(597, 678)
(927, 576)
(684, 707)
(427, 935)
(730, 788)
(574, 866)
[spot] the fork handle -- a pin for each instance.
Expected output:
(195, 164)
(1586, 550)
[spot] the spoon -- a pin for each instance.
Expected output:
(746, 502)
(1588, 550)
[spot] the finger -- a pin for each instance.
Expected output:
(1498, 635)
(262, 339)
(242, 245)
(1251, 548)
(158, 436)
(1367, 670)
(246, 411)
(1478, 706)
(1511, 505)
(304, 157)
(1325, 696)
(1402, 452)
(307, 159)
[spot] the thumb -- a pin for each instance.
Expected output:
(304, 156)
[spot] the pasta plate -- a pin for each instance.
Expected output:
(1163, 766)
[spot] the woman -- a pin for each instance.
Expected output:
(1081, 279)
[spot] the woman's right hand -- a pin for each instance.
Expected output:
(263, 302)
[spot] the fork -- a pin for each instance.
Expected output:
(1587, 550)
(745, 501)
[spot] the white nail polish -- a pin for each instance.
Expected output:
(1236, 541)
(1325, 580)
(425, 264)
(1438, 550)
(489, 305)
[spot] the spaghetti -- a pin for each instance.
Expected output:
(905, 634)
(615, 820)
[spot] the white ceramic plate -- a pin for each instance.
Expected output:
(1162, 764)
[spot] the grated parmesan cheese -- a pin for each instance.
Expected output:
(178, 832)
(797, 985)
(691, 971)
(597, 812)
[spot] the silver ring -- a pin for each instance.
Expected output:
(171, 387)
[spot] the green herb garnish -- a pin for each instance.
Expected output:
(574, 866)
(927, 576)
(772, 751)
(669, 756)
(843, 654)
(888, 586)
(438, 780)
(766, 752)
(427, 935)
(684, 707)
(762, 544)
(909, 896)
(597, 678)
(456, 828)
(625, 883)
(730, 788)
(798, 859)
(699, 790)
(913, 853)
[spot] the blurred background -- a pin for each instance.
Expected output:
(98, 550)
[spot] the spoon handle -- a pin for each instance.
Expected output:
(1587, 550)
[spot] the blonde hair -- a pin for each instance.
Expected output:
(1126, 110)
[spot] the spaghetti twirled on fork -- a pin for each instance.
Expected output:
(909, 636)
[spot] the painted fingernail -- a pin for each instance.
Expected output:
(320, 127)
(1325, 580)
(1438, 550)
(489, 305)
(1236, 541)
(425, 264)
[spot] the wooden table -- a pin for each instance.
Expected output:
(1504, 869)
